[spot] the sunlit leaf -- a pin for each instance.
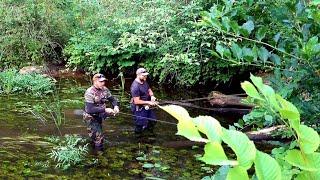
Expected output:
(315, 2)
(214, 155)
(241, 145)
(290, 112)
(308, 139)
(266, 90)
(308, 175)
(237, 173)
(308, 162)
(250, 90)
(209, 126)
(186, 126)
(266, 167)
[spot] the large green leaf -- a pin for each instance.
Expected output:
(214, 155)
(266, 167)
(292, 117)
(186, 126)
(241, 145)
(257, 81)
(308, 139)
(221, 173)
(209, 126)
(266, 90)
(308, 162)
(290, 112)
(237, 173)
(286, 105)
(308, 175)
(250, 90)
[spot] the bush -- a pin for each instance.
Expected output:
(34, 31)
(34, 84)
(161, 35)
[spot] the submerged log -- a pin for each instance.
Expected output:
(218, 99)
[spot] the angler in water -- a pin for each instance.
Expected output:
(142, 99)
(95, 109)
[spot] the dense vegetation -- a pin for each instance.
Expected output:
(180, 42)
(184, 43)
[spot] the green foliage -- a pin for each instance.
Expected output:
(301, 157)
(33, 31)
(276, 35)
(161, 35)
(34, 84)
(69, 151)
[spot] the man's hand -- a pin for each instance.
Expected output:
(153, 99)
(152, 103)
(116, 109)
(109, 111)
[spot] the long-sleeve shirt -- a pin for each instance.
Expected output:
(95, 100)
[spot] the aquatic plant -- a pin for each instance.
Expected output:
(50, 110)
(300, 161)
(69, 151)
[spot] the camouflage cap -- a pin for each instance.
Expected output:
(99, 77)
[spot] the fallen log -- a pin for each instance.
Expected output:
(265, 133)
(220, 110)
(219, 99)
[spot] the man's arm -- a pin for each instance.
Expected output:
(138, 101)
(93, 109)
(153, 98)
(113, 101)
(150, 92)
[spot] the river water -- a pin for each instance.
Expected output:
(24, 144)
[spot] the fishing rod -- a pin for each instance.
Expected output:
(151, 119)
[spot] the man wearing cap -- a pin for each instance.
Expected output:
(95, 109)
(142, 99)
